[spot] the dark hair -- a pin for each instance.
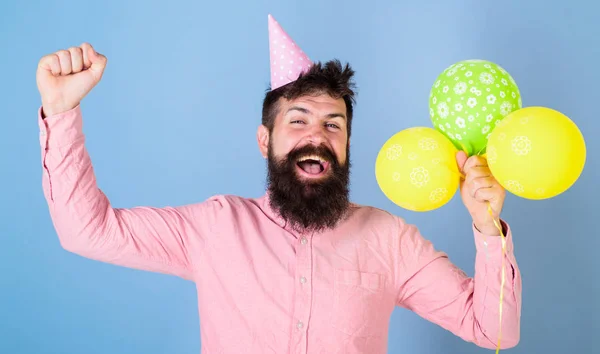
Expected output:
(330, 78)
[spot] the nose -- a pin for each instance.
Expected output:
(316, 135)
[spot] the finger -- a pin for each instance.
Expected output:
(475, 186)
(64, 58)
(76, 59)
(489, 194)
(98, 63)
(85, 49)
(97, 58)
(475, 161)
(477, 172)
(50, 63)
(461, 159)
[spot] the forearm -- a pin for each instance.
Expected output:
(81, 213)
(496, 275)
(436, 289)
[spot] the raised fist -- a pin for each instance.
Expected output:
(65, 77)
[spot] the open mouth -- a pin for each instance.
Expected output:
(312, 165)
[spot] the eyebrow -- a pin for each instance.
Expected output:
(306, 111)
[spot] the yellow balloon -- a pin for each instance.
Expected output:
(536, 153)
(416, 169)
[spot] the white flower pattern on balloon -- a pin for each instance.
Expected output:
(486, 78)
(396, 176)
(393, 152)
(437, 195)
(514, 186)
(428, 144)
(419, 176)
(521, 145)
(460, 122)
(460, 88)
(443, 110)
(505, 108)
(472, 102)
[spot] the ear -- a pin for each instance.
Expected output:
(262, 137)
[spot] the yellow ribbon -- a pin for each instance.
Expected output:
(497, 223)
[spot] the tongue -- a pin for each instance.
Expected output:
(310, 167)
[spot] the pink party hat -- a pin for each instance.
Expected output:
(288, 61)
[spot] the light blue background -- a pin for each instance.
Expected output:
(174, 121)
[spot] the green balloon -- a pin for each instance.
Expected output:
(467, 101)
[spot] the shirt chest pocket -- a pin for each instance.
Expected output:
(359, 303)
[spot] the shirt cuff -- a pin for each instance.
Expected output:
(491, 246)
(61, 129)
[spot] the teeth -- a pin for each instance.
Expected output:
(312, 157)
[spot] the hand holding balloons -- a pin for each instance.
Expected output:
(476, 107)
(480, 192)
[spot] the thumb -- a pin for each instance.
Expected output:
(93, 61)
(97, 62)
(461, 159)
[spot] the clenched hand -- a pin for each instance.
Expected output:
(65, 77)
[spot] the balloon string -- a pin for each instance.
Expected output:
(497, 223)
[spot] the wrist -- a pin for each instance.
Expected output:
(51, 109)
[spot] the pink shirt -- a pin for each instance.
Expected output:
(263, 288)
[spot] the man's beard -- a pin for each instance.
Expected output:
(309, 205)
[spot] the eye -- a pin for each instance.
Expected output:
(331, 125)
(297, 121)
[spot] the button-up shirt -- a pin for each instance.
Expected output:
(264, 288)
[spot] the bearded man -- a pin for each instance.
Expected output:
(301, 269)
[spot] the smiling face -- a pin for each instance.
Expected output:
(308, 160)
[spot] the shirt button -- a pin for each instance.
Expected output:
(300, 325)
(302, 280)
(303, 240)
